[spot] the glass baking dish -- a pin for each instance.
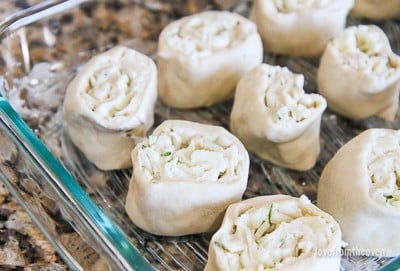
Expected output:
(81, 208)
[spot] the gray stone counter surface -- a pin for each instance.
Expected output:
(22, 245)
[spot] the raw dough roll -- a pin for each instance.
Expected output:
(275, 119)
(275, 233)
(300, 28)
(201, 57)
(376, 9)
(359, 75)
(184, 177)
(109, 106)
(360, 188)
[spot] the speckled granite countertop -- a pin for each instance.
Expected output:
(22, 245)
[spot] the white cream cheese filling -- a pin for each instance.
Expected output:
(200, 36)
(384, 169)
(117, 89)
(274, 235)
(295, 6)
(285, 98)
(187, 154)
(111, 92)
(364, 49)
(109, 105)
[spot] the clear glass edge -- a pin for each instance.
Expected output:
(393, 265)
(115, 241)
(17, 195)
(36, 12)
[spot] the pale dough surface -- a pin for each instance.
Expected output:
(276, 119)
(276, 232)
(359, 75)
(360, 186)
(109, 106)
(300, 28)
(202, 57)
(169, 193)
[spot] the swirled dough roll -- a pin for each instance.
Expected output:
(376, 9)
(359, 75)
(109, 106)
(300, 28)
(201, 57)
(275, 233)
(184, 177)
(360, 188)
(275, 119)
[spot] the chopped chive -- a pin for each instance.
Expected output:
(270, 213)
(167, 153)
(222, 246)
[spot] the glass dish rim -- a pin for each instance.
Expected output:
(98, 222)
(116, 242)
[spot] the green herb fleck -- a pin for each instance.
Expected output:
(167, 153)
(388, 197)
(222, 246)
(282, 242)
(270, 213)
(144, 146)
